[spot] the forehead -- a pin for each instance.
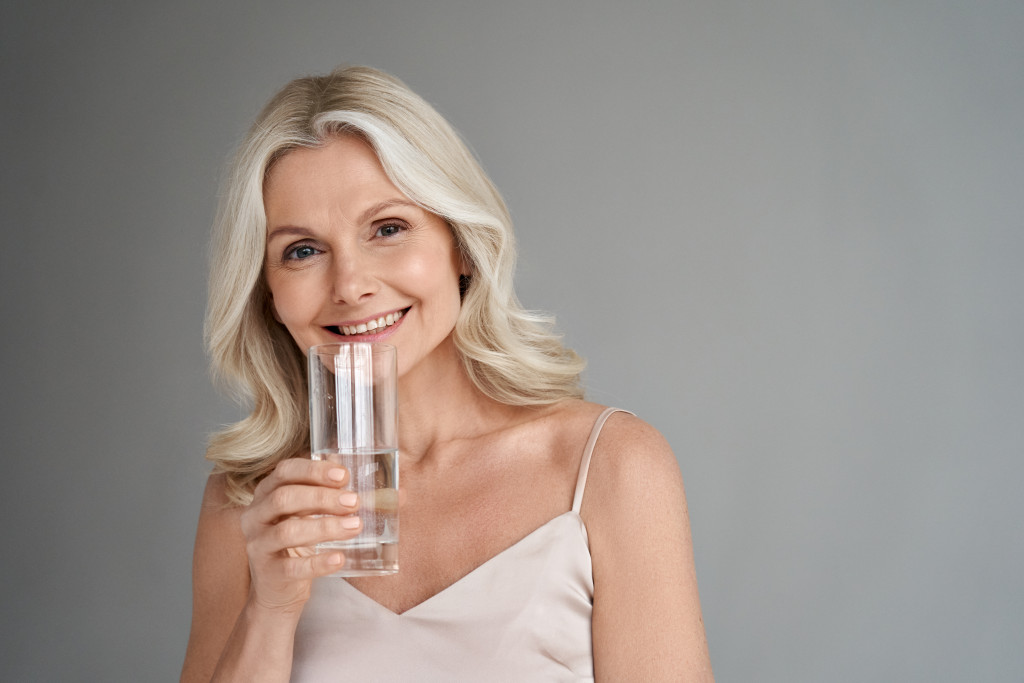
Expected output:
(343, 173)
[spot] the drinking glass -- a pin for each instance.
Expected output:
(353, 422)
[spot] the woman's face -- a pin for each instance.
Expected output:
(349, 257)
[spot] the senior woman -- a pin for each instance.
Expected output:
(543, 537)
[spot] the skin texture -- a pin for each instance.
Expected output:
(343, 246)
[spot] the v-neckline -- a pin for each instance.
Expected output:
(471, 573)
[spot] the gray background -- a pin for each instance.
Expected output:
(788, 234)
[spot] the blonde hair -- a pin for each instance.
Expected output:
(509, 353)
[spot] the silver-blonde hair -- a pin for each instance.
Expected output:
(510, 354)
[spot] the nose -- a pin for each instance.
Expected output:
(354, 279)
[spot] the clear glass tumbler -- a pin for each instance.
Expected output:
(353, 421)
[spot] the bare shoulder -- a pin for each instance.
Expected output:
(219, 523)
(220, 579)
(216, 506)
(628, 435)
(219, 553)
(628, 451)
(631, 461)
(633, 479)
(647, 621)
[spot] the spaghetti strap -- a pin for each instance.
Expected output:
(588, 451)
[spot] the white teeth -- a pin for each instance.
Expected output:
(371, 325)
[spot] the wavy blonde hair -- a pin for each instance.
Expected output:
(510, 354)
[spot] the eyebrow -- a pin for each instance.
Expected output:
(386, 204)
(289, 230)
(363, 218)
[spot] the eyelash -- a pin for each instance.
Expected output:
(400, 227)
(290, 255)
(290, 252)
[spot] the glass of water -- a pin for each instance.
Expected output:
(353, 422)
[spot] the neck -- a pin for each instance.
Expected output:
(439, 404)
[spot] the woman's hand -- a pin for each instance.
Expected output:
(301, 503)
(253, 568)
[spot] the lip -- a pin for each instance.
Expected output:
(368, 336)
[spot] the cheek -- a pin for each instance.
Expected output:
(434, 273)
(290, 300)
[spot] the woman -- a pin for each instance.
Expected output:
(353, 201)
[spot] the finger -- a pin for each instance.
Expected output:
(301, 568)
(304, 532)
(303, 471)
(300, 500)
(314, 566)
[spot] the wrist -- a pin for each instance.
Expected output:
(268, 615)
(260, 646)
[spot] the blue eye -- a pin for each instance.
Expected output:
(302, 251)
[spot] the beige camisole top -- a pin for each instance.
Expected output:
(524, 615)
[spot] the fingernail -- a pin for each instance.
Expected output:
(337, 474)
(334, 559)
(350, 522)
(348, 499)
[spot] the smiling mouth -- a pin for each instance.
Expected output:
(370, 326)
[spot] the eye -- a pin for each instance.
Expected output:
(300, 252)
(389, 230)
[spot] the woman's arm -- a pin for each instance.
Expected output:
(250, 580)
(647, 619)
(220, 581)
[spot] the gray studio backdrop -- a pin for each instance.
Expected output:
(788, 234)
